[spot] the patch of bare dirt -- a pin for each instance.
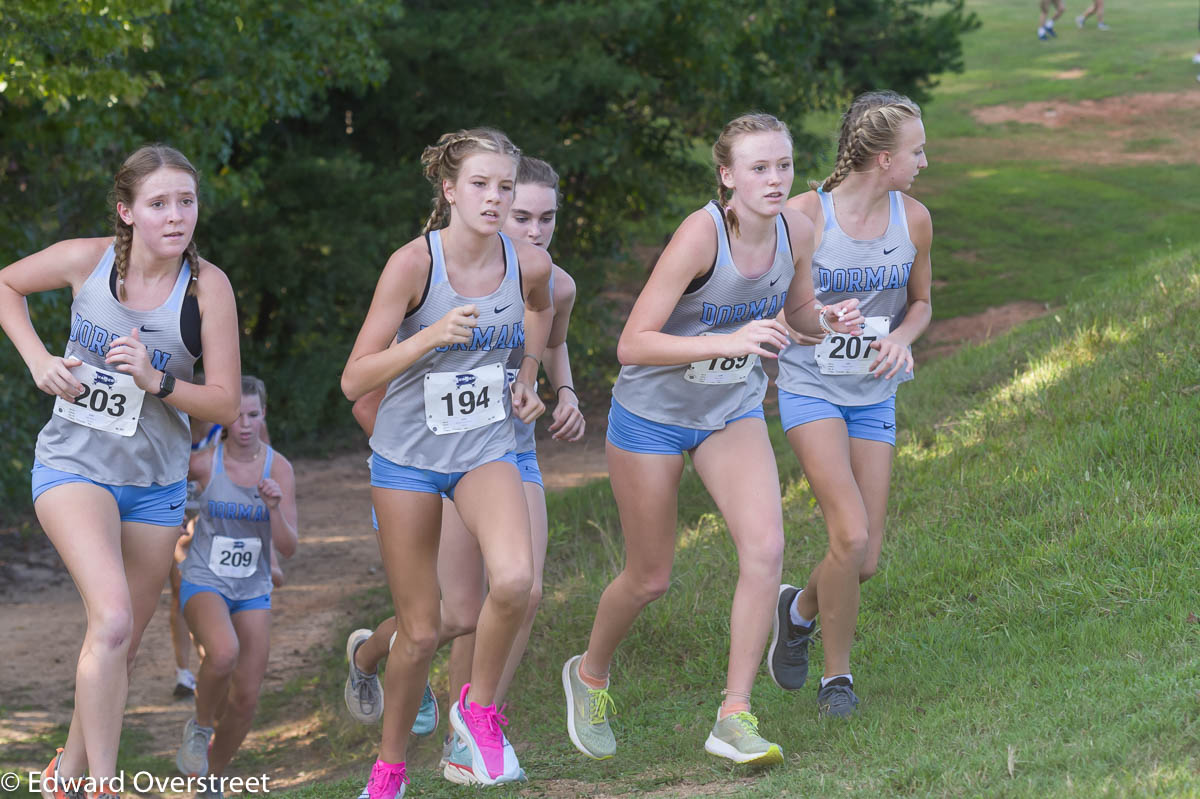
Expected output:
(946, 336)
(1161, 127)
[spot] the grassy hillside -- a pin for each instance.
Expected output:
(1029, 633)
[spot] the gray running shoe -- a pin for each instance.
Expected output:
(837, 700)
(787, 660)
(363, 694)
(192, 758)
(736, 737)
(587, 714)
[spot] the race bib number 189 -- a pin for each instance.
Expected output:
(721, 371)
(459, 401)
(840, 354)
(110, 401)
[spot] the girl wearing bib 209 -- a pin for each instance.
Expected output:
(838, 398)
(692, 382)
(455, 302)
(110, 467)
(247, 509)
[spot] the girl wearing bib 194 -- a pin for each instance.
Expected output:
(838, 398)
(110, 467)
(247, 502)
(455, 302)
(691, 381)
(460, 564)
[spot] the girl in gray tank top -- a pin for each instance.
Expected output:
(114, 454)
(247, 510)
(447, 310)
(532, 220)
(691, 381)
(837, 393)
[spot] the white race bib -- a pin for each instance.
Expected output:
(459, 401)
(840, 354)
(721, 371)
(110, 401)
(234, 557)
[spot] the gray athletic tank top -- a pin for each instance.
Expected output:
(157, 452)
(876, 272)
(402, 428)
(724, 303)
(235, 517)
(524, 433)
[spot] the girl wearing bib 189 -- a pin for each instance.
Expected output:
(110, 467)
(455, 302)
(691, 382)
(247, 500)
(838, 398)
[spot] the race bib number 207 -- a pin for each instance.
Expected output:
(110, 401)
(840, 354)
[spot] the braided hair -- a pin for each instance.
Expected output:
(137, 167)
(442, 161)
(869, 127)
(722, 153)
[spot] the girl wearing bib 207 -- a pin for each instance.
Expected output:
(110, 467)
(691, 382)
(455, 302)
(837, 398)
(247, 510)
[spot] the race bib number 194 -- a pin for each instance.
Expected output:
(110, 401)
(459, 401)
(840, 354)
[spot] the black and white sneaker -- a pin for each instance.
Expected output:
(787, 660)
(836, 699)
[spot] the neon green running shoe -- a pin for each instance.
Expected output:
(587, 714)
(736, 737)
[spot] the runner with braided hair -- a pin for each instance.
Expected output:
(837, 398)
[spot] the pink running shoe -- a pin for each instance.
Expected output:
(492, 757)
(387, 781)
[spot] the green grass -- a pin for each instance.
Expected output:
(1032, 608)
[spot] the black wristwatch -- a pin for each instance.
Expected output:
(166, 386)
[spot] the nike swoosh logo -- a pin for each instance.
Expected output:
(773, 282)
(887, 426)
(502, 309)
(889, 252)
(145, 329)
(176, 506)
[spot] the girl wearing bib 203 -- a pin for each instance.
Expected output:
(110, 467)
(837, 398)
(691, 382)
(460, 563)
(455, 302)
(247, 510)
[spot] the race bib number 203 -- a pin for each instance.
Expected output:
(110, 401)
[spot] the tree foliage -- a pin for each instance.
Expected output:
(308, 119)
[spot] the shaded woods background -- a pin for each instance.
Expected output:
(307, 119)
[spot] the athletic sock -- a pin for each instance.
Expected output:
(729, 707)
(1050, 24)
(797, 619)
(595, 683)
(846, 679)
